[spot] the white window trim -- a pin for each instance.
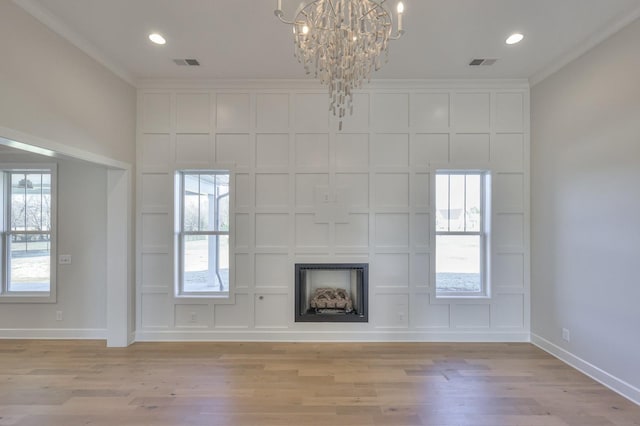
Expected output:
(485, 235)
(29, 297)
(221, 297)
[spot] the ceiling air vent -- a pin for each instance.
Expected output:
(482, 61)
(187, 62)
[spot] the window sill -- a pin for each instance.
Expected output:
(221, 298)
(27, 298)
(470, 298)
(205, 295)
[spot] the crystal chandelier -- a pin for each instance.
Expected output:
(341, 42)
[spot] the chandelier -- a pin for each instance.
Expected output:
(341, 42)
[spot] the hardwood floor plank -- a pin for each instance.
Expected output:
(70, 383)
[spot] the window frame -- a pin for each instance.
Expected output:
(484, 233)
(7, 296)
(179, 204)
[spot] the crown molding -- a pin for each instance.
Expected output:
(582, 48)
(315, 86)
(35, 9)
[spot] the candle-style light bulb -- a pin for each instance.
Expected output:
(400, 9)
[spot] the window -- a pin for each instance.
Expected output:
(28, 243)
(203, 237)
(461, 233)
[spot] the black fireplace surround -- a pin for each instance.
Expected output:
(351, 279)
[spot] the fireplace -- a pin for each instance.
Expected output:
(331, 292)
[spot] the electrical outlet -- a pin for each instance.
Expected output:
(194, 317)
(58, 315)
(566, 336)
(64, 259)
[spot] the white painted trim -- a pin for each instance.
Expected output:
(247, 335)
(54, 333)
(118, 257)
(614, 383)
(582, 48)
(15, 139)
(314, 85)
(162, 303)
(63, 30)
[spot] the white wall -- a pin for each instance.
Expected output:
(81, 286)
(54, 96)
(52, 90)
(585, 202)
(284, 145)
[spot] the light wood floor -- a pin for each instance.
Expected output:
(72, 383)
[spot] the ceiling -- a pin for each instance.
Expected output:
(9, 150)
(242, 39)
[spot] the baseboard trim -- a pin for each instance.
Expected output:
(240, 335)
(54, 333)
(617, 385)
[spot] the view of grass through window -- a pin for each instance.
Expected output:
(459, 232)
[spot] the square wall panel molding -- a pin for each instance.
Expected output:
(305, 192)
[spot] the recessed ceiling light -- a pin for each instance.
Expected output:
(515, 38)
(157, 38)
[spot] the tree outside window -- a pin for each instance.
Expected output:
(27, 239)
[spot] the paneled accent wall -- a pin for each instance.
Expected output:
(305, 192)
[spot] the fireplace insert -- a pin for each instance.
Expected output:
(331, 292)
